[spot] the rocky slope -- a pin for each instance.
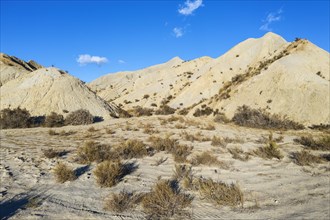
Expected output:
(11, 67)
(286, 78)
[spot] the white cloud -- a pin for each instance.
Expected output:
(84, 59)
(178, 32)
(190, 7)
(271, 17)
(121, 61)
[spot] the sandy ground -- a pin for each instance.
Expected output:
(273, 189)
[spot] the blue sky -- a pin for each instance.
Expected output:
(93, 38)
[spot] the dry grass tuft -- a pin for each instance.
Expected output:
(269, 151)
(92, 129)
(219, 141)
(165, 201)
(239, 154)
(322, 143)
(304, 158)
(93, 151)
(109, 173)
(123, 201)
(180, 153)
(64, 173)
(131, 149)
(205, 158)
(184, 174)
(163, 144)
(51, 153)
(220, 193)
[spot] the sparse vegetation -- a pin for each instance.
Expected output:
(165, 110)
(238, 154)
(205, 158)
(257, 118)
(122, 201)
(54, 120)
(304, 158)
(220, 193)
(14, 118)
(203, 112)
(51, 153)
(221, 118)
(64, 173)
(79, 117)
(131, 149)
(165, 200)
(269, 151)
(218, 141)
(109, 173)
(139, 111)
(322, 143)
(93, 151)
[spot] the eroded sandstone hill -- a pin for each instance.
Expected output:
(45, 90)
(286, 78)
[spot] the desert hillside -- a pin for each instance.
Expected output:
(45, 90)
(286, 78)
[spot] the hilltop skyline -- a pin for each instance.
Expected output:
(90, 39)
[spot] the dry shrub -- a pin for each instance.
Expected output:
(173, 118)
(54, 120)
(180, 153)
(194, 137)
(91, 129)
(131, 149)
(322, 143)
(220, 193)
(258, 118)
(239, 154)
(165, 110)
(109, 131)
(148, 129)
(304, 158)
(180, 126)
(138, 111)
(109, 173)
(205, 158)
(203, 112)
(221, 118)
(165, 200)
(93, 151)
(52, 132)
(219, 141)
(269, 151)
(184, 174)
(208, 127)
(14, 118)
(64, 173)
(122, 201)
(79, 117)
(51, 153)
(163, 144)
(183, 111)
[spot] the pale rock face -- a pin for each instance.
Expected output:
(11, 67)
(293, 81)
(49, 90)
